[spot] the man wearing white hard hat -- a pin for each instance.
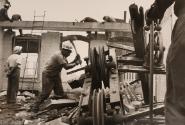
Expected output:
(13, 74)
(51, 76)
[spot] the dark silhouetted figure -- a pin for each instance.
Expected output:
(4, 13)
(175, 96)
(17, 17)
(89, 19)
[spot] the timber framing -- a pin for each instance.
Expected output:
(66, 26)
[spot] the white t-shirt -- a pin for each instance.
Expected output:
(14, 60)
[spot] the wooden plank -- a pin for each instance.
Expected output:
(53, 104)
(130, 60)
(144, 112)
(87, 88)
(57, 121)
(138, 69)
(114, 88)
(114, 81)
(76, 70)
(120, 46)
(66, 26)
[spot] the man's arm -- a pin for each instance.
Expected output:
(11, 69)
(62, 61)
(72, 64)
(69, 65)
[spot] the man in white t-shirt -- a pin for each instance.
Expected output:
(13, 74)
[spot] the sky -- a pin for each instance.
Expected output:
(71, 10)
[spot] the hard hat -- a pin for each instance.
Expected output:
(67, 46)
(17, 49)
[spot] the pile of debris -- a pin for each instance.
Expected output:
(9, 113)
(52, 110)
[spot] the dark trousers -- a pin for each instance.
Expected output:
(50, 83)
(13, 86)
(175, 95)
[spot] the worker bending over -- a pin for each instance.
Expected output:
(17, 17)
(51, 75)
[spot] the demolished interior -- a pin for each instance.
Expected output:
(118, 74)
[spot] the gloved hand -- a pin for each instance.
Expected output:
(153, 14)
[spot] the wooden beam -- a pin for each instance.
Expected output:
(145, 112)
(120, 46)
(66, 26)
(139, 69)
(130, 60)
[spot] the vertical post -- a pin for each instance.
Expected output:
(1, 57)
(151, 42)
(125, 16)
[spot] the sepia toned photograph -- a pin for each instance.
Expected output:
(92, 62)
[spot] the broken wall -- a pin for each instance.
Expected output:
(49, 45)
(1, 58)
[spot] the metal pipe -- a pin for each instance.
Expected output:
(125, 16)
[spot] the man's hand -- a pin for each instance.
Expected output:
(9, 71)
(11, 20)
(8, 74)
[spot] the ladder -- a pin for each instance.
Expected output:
(42, 17)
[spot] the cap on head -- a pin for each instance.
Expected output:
(17, 49)
(67, 46)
